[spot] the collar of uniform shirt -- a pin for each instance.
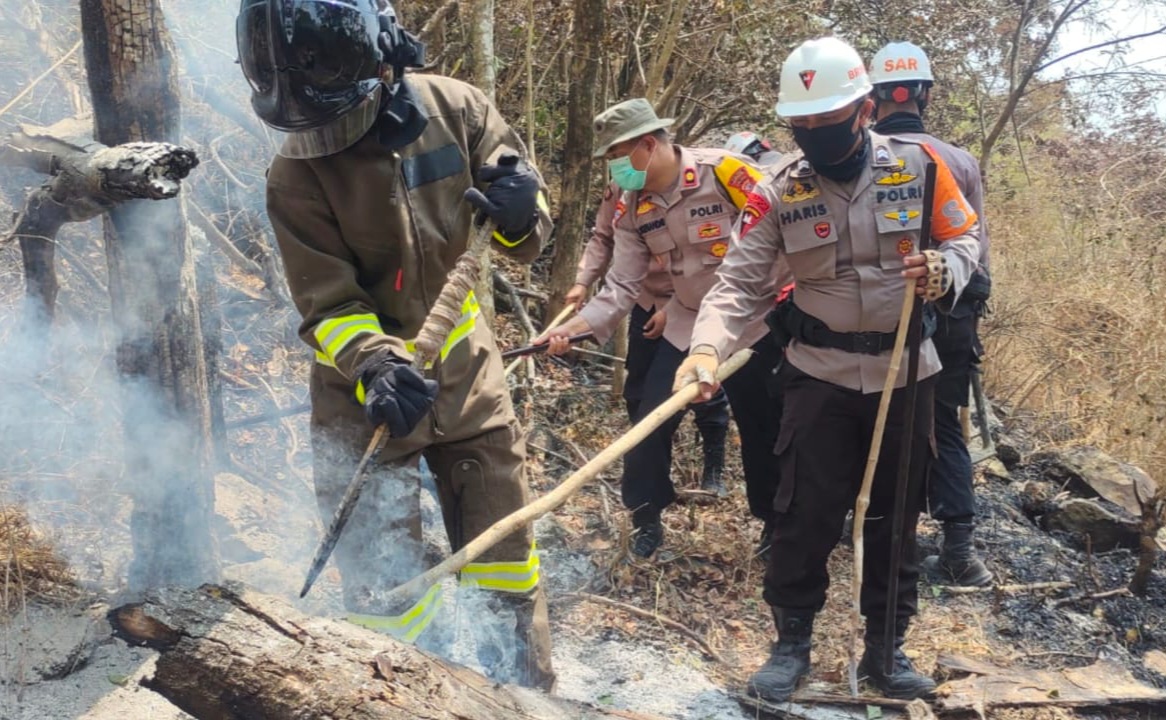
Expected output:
(684, 161)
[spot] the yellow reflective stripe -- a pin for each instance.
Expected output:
(498, 236)
(333, 334)
(515, 577)
(542, 202)
(465, 325)
(463, 329)
(409, 625)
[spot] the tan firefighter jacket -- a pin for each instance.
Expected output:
(368, 236)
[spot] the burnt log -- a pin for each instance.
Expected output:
(86, 179)
(231, 654)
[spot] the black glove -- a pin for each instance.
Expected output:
(395, 394)
(511, 198)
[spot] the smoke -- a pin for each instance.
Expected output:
(84, 447)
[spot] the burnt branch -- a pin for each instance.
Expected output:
(86, 180)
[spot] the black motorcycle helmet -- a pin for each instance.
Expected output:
(317, 67)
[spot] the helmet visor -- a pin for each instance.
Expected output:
(333, 45)
(253, 38)
(337, 135)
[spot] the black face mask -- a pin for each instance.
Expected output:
(829, 144)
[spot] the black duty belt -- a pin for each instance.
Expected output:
(788, 321)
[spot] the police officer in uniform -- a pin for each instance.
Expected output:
(366, 199)
(678, 207)
(850, 239)
(645, 326)
(901, 75)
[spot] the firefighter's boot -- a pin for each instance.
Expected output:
(957, 562)
(902, 682)
(789, 659)
(530, 663)
(713, 444)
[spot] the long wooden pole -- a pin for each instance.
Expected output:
(529, 513)
(872, 461)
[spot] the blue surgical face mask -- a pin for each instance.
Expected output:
(625, 175)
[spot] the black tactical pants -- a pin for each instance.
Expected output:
(949, 485)
(647, 479)
(712, 418)
(822, 449)
(755, 397)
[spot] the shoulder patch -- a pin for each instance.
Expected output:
(738, 178)
(690, 179)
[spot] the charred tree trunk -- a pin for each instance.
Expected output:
(572, 231)
(167, 415)
(229, 656)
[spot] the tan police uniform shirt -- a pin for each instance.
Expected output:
(656, 287)
(688, 227)
(844, 243)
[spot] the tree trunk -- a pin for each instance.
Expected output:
(155, 301)
(480, 21)
(227, 656)
(573, 231)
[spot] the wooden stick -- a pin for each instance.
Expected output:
(528, 514)
(649, 615)
(554, 324)
(872, 461)
(1010, 589)
(351, 494)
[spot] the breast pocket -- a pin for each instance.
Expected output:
(898, 229)
(662, 247)
(811, 249)
(709, 241)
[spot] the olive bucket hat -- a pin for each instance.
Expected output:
(629, 119)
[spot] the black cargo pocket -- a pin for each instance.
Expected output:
(466, 478)
(785, 451)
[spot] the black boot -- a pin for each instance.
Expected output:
(713, 444)
(789, 660)
(957, 562)
(902, 683)
(647, 533)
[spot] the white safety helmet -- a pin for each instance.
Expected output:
(900, 62)
(819, 76)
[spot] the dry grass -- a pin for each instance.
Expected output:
(33, 571)
(1077, 340)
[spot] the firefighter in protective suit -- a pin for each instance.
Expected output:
(851, 242)
(366, 199)
(901, 75)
